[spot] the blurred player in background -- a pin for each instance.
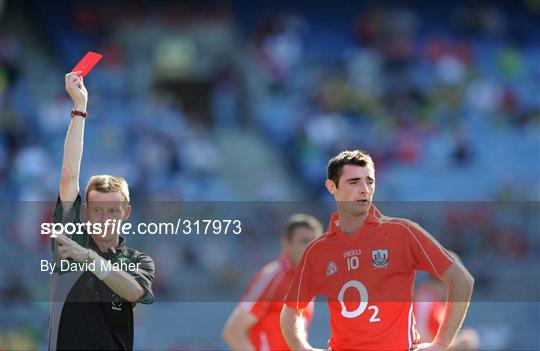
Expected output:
(92, 309)
(365, 265)
(429, 307)
(254, 323)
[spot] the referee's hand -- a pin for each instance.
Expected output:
(76, 90)
(68, 248)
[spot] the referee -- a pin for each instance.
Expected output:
(91, 302)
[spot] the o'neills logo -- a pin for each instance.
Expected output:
(331, 269)
(351, 253)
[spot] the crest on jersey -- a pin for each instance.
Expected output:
(116, 302)
(331, 269)
(380, 258)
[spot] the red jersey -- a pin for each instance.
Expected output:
(368, 279)
(264, 299)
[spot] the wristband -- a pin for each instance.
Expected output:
(78, 113)
(100, 270)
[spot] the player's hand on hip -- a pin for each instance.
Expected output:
(68, 248)
(76, 90)
(428, 347)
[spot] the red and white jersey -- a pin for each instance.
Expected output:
(264, 299)
(368, 279)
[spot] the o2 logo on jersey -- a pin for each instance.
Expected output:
(362, 291)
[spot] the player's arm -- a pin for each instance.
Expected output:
(293, 329)
(459, 283)
(235, 332)
(73, 145)
(428, 255)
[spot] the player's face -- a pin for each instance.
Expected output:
(355, 190)
(300, 238)
(101, 207)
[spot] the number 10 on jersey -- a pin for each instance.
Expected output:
(353, 263)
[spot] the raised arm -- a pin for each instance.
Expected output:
(73, 145)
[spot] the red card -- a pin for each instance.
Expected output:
(87, 63)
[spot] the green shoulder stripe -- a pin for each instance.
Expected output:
(73, 216)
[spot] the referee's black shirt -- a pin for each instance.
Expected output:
(85, 313)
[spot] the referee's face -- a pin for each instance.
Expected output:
(107, 209)
(355, 189)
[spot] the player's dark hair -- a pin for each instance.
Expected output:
(301, 220)
(356, 157)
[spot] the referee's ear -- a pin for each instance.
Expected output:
(127, 212)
